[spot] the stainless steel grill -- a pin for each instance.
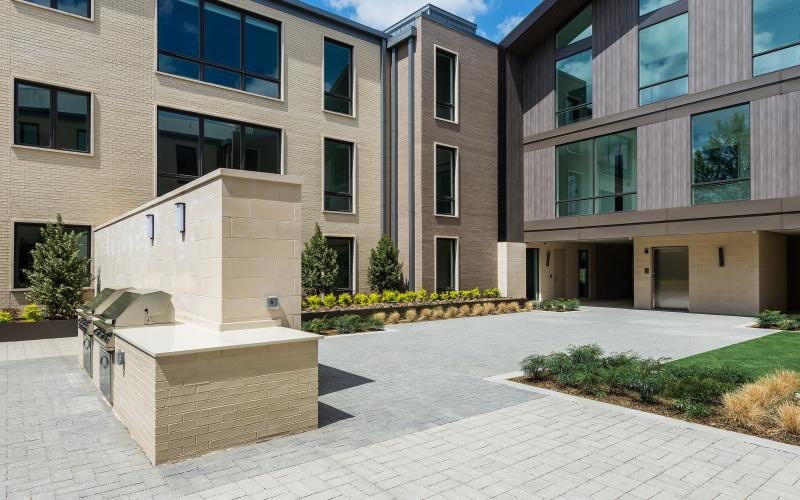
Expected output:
(85, 312)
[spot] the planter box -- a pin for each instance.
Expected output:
(367, 311)
(55, 329)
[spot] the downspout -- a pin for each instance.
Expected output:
(383, 137)
(394, 175)
(411, 167)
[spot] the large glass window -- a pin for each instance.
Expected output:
(338, 176)
(446, 165)
(81, 8)
(597, 176)
(721, 155)
(579, 28)
(27, 235)
(648, 6)
(344, 258)
(664, 60)
(446, 85)
(234, 49)
(51, 117)
(191, 145)
(574, 88)
(338, 77)
(446, 264)
(776, 37)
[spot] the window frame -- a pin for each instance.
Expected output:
(456, 84)
(565, 52)
(54, 7)
(201, 129)
(766, 52)
(353, 175)
(54, 89)
(456, 180)
(352, 97)
(200, 60)
(457, 263)
(353, 260)
(15, 285)
(654, 18)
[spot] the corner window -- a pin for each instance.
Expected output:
(776, 39)
(338, 176)
(664, 60)
(574, 70)
(648, 6)
(446, 85)
(192, 145)
(81, 8)
(446, 172)
(446, 264)
(344, 258)
(233, 49)
(597, 176)
(27, 235)
(51, 117)
(721, 155)
(338, 77)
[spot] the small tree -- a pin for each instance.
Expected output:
(318, 264)
(385, 271)
(58, 274)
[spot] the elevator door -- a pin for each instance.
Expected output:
(671, 278)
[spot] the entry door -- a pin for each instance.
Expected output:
(559, 274)
(532, 273)
(671, 278)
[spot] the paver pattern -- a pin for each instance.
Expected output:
(409, 414)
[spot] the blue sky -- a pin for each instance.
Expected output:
(495, 18)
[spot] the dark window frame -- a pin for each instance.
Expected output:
(349, 98)
(352, 167)
(453, 199)
(575, 48)
(351, 242)
(15, 271)
(54, 5)
(243, 73)
(456, 75)
(54, 90)
(649, 20)
(756, 55)
(201, 143)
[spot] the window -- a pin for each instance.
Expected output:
(446, 85)
(664, 60)
(648, 6)
(446, 264)
(574, 70)
(776, 39)
(338, 176)
(597, 176)
(206, 41)
(191, 145)
(78, 7)
(721, 155)
(27, 235)
(344, 257)
(51, 117)
(338, 77)
(446, 187)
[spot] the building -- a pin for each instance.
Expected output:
(649, 153)
(116, 103)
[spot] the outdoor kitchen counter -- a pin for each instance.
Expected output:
(184, 338)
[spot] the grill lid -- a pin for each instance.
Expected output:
(105, 298)
(137, 307)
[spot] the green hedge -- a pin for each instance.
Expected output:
(559, 305)
(776, 319)
(351, 323)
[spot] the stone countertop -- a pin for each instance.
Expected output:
(184, 338)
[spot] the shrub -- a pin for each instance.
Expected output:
(434, 297)
(422, 295)
(329, 300)
(374, 298)
(770, 319)
(490, 308)
(782, 384)
(559, 305)
(407, 297)
(790, 323)
(477, 310)
(692, 409)
(379, 316)
(438, 313)
(313, 302)
(512, 307)
(744, 408)
(361, 299)
(465, 295)
(385, 271)
(347, 324)
(32, 313)
(536, 367)
(318, 264)
(491, 293)
(789, 418)
(699, 386)
(425, 314)
(316, 325)
(530, 305)
(6, 317)
(393, 318)
(345, 300)
(463, 311)
(451, 312)
(410, 315)
(389, 296)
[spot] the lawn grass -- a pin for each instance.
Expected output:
(759, 356)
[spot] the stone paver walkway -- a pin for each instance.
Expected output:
(409, 414)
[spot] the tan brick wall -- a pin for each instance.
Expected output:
(113, 57)
(181, 406)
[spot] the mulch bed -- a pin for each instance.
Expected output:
(665, 409)
(369, 310)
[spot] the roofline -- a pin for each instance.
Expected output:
(424, 10)
(334, 19)
(528, 23)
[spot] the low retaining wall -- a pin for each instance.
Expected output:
(52, 329)
(367, 311)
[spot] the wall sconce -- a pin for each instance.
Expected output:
(721, 256)
(547, 263)
(180, 217)
(151, 227)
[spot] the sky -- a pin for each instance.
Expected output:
(495, 18)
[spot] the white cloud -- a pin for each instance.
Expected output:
(509, 24)
(382, 14)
